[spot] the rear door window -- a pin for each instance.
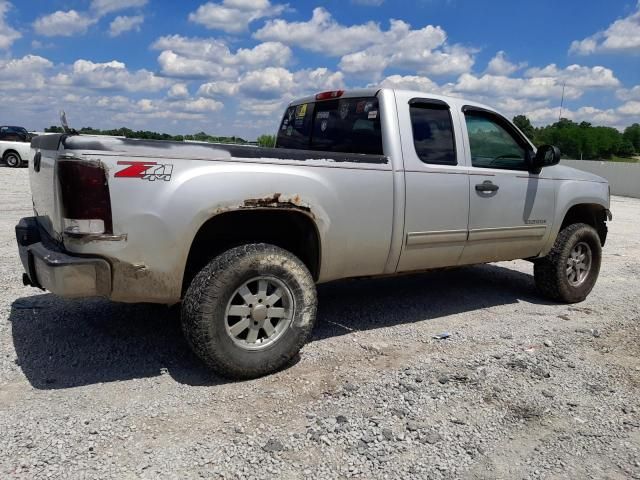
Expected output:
(433, 133)
(349, 125)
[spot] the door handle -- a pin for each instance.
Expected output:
(487, 186)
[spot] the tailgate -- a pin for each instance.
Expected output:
(44, 182)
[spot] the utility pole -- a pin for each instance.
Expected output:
(562, 101)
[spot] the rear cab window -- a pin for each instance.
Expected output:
(345, 125)
(432, 128)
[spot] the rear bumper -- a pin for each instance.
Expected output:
(50, 268)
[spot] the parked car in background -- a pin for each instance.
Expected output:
(361, 183)
(14, 134)
(14, 154)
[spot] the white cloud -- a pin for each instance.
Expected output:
(577, 76)
(538, 83)
(201, 105)
(410, 82)
(8, 34)
(500, 85)
(112, 75)
(629, 94)
(321, 34)
(186, 57)
(174, 65)
(275, 83)
(179, 90)
(103, 7)
(500, 65)
(69, 23)
(622, 36)
(63, 24)
(630, 108)
(234, 16)
(122, 24)
(367, 50)
(28, 70)
(220, 88)
(268, 109)
(368, 3)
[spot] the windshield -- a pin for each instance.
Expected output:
(349, 125)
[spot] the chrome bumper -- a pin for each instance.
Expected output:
(50, 268)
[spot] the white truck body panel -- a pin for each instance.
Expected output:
(22, 148)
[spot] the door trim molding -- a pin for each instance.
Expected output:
(436, 237)
(507, 233)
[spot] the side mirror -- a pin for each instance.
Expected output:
(546, 156)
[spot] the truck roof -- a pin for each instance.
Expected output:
(372, 92)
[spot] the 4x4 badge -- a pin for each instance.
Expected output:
(146, 171)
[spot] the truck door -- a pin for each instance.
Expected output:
(510, 209)
(437, 184)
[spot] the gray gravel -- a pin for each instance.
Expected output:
(521, 389)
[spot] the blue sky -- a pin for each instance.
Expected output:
(230, 66)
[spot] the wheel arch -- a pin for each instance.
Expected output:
(292, 228)
(592, 214)
(8, 151)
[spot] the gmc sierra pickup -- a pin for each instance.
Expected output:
(361, 183)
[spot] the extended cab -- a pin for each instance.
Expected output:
(361, 183)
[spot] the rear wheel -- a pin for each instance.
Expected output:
(570, 270)
(250, 310)
(12, 159)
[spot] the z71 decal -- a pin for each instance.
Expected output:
(146, 171)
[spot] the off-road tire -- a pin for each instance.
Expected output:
(550, 271)
(205, 305)
(12, 160)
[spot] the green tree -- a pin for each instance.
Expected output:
(267, 140)
(524, 124)
(632, 135)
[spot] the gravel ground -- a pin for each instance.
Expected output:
(522, 389)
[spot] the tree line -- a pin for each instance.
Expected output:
(575, 140)
(148, 135)
(584, 140)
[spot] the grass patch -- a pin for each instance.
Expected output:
(623, 159)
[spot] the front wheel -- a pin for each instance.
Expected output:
(12, 160)
(250, 310)
(570, 270)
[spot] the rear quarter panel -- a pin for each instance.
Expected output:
(351, 204)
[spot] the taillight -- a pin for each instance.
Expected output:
(86, 203)
(329, 95)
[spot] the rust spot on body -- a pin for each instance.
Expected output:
(277, 200)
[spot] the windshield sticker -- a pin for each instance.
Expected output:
(344, 110)
(301, 110)
(323, 114)
(289, 130)
(360, 107)
(368, 106)
(373, 114)
(323, 125)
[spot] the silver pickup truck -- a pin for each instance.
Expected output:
(361, 183)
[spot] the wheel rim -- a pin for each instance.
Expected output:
(579, 264)
(12, 160)
(259, 313)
